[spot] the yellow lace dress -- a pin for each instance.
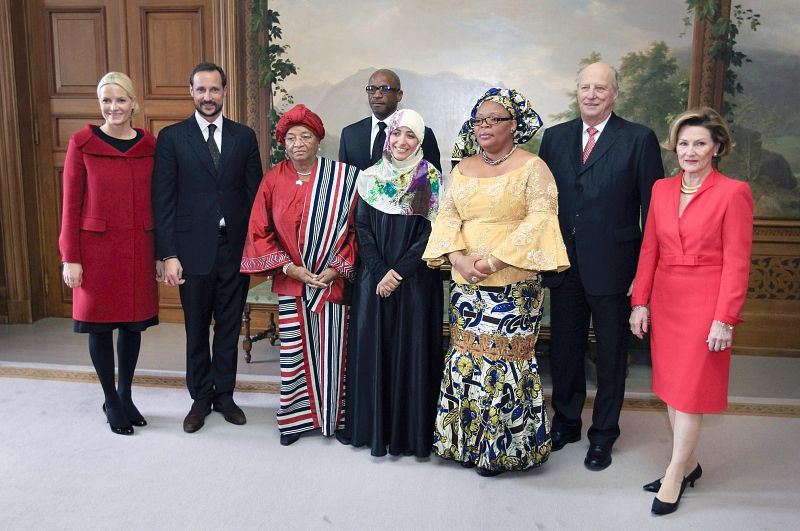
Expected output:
(491, 409)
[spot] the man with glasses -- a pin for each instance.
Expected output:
(362, 143)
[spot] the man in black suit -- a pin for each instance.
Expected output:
(604, 168)
(207, 171)
(361, 143)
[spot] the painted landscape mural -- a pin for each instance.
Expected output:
(448, 53)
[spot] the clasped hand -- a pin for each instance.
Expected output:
(472, 269)
(321, 281)
(389, 283)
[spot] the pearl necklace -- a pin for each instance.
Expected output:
(491, 162)
(689, 190)
(300, 181)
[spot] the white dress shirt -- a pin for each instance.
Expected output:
(203, 123)
(375, 129)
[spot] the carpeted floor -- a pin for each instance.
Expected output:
(62, 468)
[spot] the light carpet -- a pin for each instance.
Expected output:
(62, 468)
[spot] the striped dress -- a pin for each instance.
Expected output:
(310, 225)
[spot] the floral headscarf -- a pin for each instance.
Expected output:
(520, 108)
(406, 187)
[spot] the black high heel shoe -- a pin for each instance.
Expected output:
(118, 429)
(660, 508)
(289, 438)
(693, 476)
(133, 414)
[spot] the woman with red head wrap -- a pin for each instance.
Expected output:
(301, 234)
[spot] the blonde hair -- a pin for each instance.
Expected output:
(703, 117)
(123, 81)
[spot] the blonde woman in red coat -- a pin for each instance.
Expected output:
(693, 271)
(106, 243)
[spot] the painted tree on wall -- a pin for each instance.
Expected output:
(725, 30)
(573, 111)
(275, 67)
(652, 88)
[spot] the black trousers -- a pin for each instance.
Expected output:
(571, 309)
(221, 294)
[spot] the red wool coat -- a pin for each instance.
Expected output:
(107, 227)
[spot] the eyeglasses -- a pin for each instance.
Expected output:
(385, 89)
(489, 121)
(305, 139)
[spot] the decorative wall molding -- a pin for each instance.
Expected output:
(776, 231)
(64, 25)
(775, 277)
(772, 311)
(14, 234)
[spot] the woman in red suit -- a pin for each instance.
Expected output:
(106, 243)
(693, 271)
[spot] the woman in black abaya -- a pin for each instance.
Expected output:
(394, 357)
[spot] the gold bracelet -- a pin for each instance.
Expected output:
(724, 325)
(491, 264)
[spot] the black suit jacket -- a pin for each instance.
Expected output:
(189, 194)
(603, 201)
(355, 147)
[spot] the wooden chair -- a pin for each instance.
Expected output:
(260, 297)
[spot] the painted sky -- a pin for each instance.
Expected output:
(532, 45)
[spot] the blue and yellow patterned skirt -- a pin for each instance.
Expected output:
(491, 408)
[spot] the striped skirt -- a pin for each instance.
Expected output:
(491, 408)
(312, 366)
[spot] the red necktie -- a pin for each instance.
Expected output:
(589, 144)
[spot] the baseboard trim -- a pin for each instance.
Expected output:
(758, 408)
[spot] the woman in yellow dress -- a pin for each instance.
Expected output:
(498, 227)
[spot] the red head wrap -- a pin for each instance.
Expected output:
(299, 115)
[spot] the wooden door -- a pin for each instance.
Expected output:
(156, 42)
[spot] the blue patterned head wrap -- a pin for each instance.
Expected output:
(520, 108)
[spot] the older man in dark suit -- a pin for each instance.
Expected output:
(207, 171)
(361, 143)
(604, 168)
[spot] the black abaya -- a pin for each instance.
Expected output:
(394, 357)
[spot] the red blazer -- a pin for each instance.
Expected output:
(717, 232)
(107, 227)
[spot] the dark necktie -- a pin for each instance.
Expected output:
(380, 140)
(589, 144)
(212, 146)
